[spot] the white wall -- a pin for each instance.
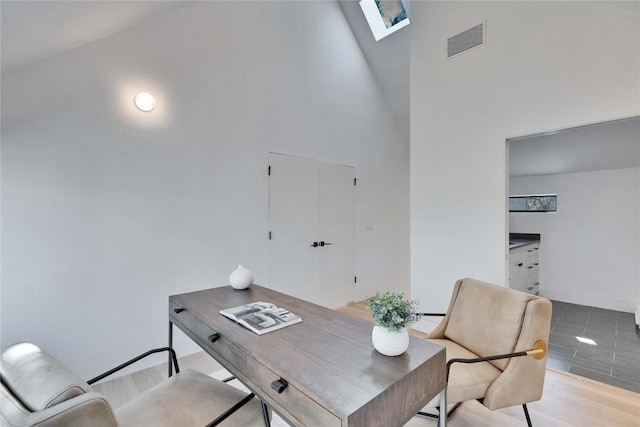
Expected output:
(107, 211)
(545, 66)
(590, 247)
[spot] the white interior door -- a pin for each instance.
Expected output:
(293, 223)
(336, 227)
(312, 201)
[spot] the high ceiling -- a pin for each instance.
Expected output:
(70, 24)
(388, 59)
(67, 25)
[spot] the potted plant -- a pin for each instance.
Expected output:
(391, 314)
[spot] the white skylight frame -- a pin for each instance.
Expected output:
(376, 23)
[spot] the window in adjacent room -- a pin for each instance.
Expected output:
(534, 203)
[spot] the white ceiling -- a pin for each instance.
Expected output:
(70, 24)
(610, 145)
(34, 30)
(388, 59)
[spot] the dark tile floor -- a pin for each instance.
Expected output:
(613, 359)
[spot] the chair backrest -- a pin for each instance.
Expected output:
(37, 379)
(37, 389)
(486, 319)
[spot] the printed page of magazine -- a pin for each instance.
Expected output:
(261, 317)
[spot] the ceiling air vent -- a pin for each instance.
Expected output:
(465, 40)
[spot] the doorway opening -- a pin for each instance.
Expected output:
(588, 248)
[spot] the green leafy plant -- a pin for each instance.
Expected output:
(393, 312)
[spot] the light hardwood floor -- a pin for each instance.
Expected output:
(567, 400)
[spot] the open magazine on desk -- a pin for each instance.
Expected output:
(261, 317)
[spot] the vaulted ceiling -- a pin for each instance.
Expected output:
(388, 59)
(34, 30)
(70, 24)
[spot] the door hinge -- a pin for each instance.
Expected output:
(354, 181)
(269, 235)
(355, 279)
(269, 171)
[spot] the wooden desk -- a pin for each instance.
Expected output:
(335, 376)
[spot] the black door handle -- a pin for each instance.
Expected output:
(178, 310)
(323, 243)
(215, 337)
(314, 244)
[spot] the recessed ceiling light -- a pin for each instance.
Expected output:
(145, 101)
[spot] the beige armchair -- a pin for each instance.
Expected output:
(496, 340)
(37, 390)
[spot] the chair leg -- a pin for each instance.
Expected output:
(526, 414)
(448, 414)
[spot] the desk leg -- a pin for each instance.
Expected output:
(265, 414)
(442, 419)
(170, 346)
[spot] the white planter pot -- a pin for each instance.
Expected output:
(390, 343)
(241, 278)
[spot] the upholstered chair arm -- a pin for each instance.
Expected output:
(134, 360)
(87, 410)
(538, 351)
(522, 380)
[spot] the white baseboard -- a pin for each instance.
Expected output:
(590, 300)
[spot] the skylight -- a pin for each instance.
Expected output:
(384, 16)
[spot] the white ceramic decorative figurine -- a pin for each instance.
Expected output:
(241, 278)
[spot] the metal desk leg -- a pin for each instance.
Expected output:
(442, 419)
(170, 346)
(265, 414)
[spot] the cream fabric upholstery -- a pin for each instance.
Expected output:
(486, 320)
(37, 390)
(480, 308)
(189, 398)
(466, 382)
